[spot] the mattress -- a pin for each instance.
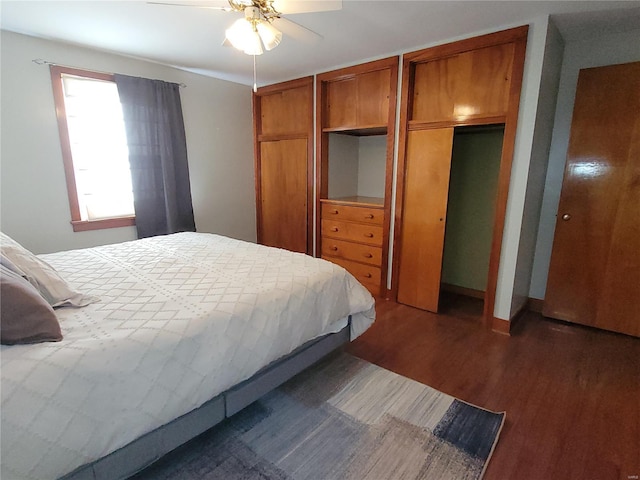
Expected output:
(181, 319)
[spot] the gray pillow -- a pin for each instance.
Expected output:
(25, 317)
(41, 275)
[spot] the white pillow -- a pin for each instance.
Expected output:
(41, 275)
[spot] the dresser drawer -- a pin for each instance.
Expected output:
(367, 275)
(346, 213)
(355, 232)
(352, 251)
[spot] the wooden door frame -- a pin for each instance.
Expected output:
(259, 137)
(517, 36)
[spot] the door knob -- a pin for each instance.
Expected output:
(566, 217)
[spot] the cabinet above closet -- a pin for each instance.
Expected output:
(358, 104)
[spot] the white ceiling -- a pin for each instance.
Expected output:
(190, 38)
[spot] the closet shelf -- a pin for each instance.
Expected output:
(362, 131)
(357, 200)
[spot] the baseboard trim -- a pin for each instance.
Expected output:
(468, 292)
(535, 304)
(505, 327)
(501, 326)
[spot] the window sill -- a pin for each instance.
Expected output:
(85, 225)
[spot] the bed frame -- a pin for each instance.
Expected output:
(145, 450)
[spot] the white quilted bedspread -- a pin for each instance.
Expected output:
(181, 319)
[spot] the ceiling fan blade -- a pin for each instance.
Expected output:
(306, 6)
(211, 4)
(296, 31)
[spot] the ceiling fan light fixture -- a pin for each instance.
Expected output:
(271, 36)
(253, 45)
(253, 31)
(243, 37)
(238, 32)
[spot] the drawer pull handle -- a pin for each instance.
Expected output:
(368, 235)
(368, 255)
(334, 248)
(335, 212)
(368, 275)
(370, 216)
(334, 229)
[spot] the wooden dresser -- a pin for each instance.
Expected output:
(352, 237)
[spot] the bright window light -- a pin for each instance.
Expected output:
(98, 147)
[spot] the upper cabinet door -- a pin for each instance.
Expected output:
(467, 85)
(285, 112)
(360, 101)
(341, 103)
(373, 97)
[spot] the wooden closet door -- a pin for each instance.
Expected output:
(283, 182)
(594, 275)
(428, 165)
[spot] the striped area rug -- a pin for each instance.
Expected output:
(342, 419)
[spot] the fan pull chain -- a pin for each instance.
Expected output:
(255, 81)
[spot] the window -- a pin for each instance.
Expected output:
(94, 149)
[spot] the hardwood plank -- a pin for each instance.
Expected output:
(571, 393)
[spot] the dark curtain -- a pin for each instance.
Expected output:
(157, 155)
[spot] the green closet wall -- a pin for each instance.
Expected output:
(472, 190)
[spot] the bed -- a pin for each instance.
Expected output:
(182, 331)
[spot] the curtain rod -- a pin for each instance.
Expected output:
(40, 61)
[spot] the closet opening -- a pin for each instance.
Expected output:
(475, 165)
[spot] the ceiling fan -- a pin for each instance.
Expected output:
(263, 23)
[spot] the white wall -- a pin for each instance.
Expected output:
(551, 67)
(34, 206)
(343, 165)
(473, 183)
(372, 165)
(598, 50)
(357, 165)
(536, 44)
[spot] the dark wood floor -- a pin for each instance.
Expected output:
(571, 393)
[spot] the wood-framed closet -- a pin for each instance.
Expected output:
(355, 125)
(283, 157)
(469, 83)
